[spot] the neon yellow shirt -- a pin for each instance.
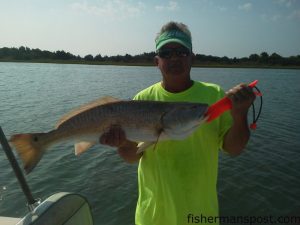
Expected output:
(177, 179)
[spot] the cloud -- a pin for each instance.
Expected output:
(222, 9)
(114, 9)
(286, 3)
(275, 18)
(246, 7)
(294, 15)
(271, 18)
(171, 6)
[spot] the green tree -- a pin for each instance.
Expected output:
(88, 58)
(275, 59)
(127, 58)
(98, 58)
(254, 58)
(264, 57)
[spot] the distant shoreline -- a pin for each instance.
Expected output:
(263, 60)
(210, 65)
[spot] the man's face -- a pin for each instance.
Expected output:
(174, 60)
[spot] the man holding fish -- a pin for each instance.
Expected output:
(177, 178)
(168, 128)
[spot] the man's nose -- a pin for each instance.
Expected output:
(173, 55)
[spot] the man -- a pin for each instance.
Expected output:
(177, 180)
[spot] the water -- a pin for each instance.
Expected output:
(264, 180)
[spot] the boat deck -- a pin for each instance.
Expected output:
(9, 220)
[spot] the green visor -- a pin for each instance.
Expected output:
(176, 36)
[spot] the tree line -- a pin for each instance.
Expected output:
(36, 55)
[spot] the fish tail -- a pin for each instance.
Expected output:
(30, 148)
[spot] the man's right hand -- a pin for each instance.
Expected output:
(116, 137)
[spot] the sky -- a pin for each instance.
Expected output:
(233, 28)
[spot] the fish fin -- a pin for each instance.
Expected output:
(83, 146)
(142, 146)
(85, 107)
(29, 148)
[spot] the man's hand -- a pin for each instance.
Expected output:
(238, 135)
(116, 137)
(242, 97)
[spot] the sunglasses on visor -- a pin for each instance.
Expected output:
(167, 53)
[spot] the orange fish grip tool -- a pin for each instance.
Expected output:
(216, 109)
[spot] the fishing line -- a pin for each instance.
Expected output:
(256, 117)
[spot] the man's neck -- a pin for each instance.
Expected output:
(176, 87)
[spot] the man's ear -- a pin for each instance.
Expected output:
(155, 60)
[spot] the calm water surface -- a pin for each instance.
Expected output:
(264, 180)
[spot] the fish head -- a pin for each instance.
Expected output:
(183, 118)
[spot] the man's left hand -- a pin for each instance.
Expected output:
(242, 97)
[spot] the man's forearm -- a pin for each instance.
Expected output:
(237, 136)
